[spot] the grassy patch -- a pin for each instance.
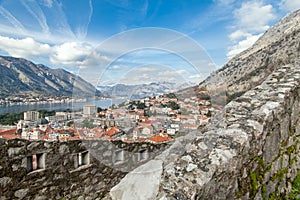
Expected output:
(254, 184)
(295, 193)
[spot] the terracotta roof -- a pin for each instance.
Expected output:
(159, 138)
(45, 137)
(9, 134)
(204, 118)
(112, 131)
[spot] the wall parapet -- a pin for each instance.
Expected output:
(75, 169)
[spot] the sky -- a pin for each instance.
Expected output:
(135, 41)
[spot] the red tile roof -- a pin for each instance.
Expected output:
(9, 134)
(112, 131)
(204, 118)
(159, 138)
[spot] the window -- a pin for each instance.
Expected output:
(35, 162)
(81, 159)
(118, 156)
(143, 155)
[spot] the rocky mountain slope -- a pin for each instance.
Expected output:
(280, 45)
(20, 76)
(141, 90)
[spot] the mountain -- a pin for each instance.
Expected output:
(278, 46)
(20, 76)
(141, 90)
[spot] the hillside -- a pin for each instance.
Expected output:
(280, 45)
(20, 76)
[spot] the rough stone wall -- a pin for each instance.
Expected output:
(63, 177)
(249, 151)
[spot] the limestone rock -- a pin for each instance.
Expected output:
(141, 183)
(21, 193)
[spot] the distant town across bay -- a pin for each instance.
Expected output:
(103, 103)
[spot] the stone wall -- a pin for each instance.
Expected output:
(67, 170)
(249, 151)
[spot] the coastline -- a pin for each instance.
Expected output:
(58, 105)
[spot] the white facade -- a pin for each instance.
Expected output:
(31, 115)
(89, 110)
(171, 131)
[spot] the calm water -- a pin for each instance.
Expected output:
(57, 106)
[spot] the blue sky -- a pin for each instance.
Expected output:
(86, 37)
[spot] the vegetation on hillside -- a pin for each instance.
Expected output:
(10, 119)
(13, 118)
(295, 193)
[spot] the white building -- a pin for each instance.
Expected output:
(31, 115)
(30, 134)
(171, 131)
(89, 110)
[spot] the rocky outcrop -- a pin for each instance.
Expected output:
(141, 183)
(279, 46)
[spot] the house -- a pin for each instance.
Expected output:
(190, 126)
(204, 120)
(9, 134)
(171, 131)
(175, 126)
(31, 115)
(159, 139)
(114, 132)
(89, 110)
(31, 134)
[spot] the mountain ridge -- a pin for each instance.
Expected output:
(137, 91)
(278, 46)
(21, 76)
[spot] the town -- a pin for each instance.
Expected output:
(154, 119)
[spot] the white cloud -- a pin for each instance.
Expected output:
(25, 48)
(16, 23)
(224, 2)
(37, 13)
(47, 3)
(254, 16)
(242, 45)
(70, 53)
(289, 5)
(251, 20)
(238, 34)
(145, 69)
(94, 59)
(168, 74)
(117, 67)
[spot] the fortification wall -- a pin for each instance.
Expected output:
(249, 151)
(67, 170)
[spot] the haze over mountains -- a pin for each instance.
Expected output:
(142, 90)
